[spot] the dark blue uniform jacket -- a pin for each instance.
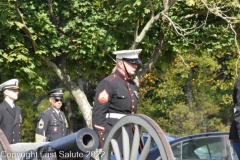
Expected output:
(10, 122)
(114, 94)
(235, 127)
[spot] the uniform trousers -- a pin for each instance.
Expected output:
(236, 146)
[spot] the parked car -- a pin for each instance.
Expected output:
(145, 136)
(207, 146)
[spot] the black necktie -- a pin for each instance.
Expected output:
(59, 114)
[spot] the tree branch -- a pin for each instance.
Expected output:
(153, 19)
(167, 4)
(52, 16)
(25, 29)
(147, 66)
(152, 8)
(77, 93)
(184, 61)
(218, 12)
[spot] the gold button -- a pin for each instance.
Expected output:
(13, 140)
(12, 132)
(132, 100)
(132, 106)
(122, 96)
(19, 132)
(101, 132)
(103, 139)
(131, 94)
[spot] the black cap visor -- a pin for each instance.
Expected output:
(11, 88)
(134, 61)
(57, 96)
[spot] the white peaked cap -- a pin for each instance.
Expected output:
(129, 54)
(10, 84)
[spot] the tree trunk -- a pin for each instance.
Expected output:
(70, 122)
(188, 89)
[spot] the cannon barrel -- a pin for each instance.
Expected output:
(76, 145)
(84, 140)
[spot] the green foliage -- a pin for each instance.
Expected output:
(195, 68)
(190, 96)
(25, 102)
(43, 105)
(28, 123)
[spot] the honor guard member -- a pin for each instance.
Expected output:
(234, 134)
(52, 123)
(10, 115)
(116, 95)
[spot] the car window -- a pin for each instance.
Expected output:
(153, 145)
(202, 148)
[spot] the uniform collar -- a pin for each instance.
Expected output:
(10, 103)
(119, 74)
(57, 111)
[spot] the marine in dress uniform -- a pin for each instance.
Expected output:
(116, 95)
(10, 115)
(234, 134)
(52, 123)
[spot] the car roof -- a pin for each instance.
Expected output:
(207, 134)
(169, 137)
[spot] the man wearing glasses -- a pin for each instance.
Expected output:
(10, 115)
(52, 123)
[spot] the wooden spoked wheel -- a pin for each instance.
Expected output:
(139, 122)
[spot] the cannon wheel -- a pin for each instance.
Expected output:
(139, 122)
(5, 149)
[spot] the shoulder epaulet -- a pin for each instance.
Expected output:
(47, 110)
(111, 77)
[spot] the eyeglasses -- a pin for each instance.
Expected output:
(56, 100)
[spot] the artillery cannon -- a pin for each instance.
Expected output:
(78, 145)
(85, 142)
